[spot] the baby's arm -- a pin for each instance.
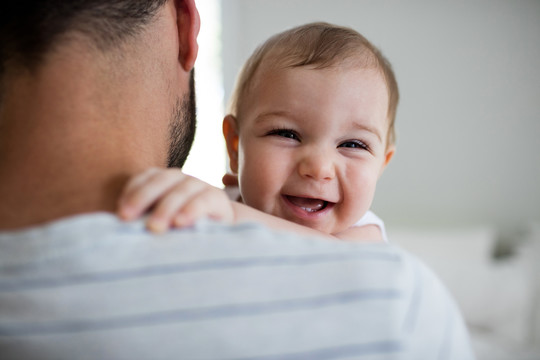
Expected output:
(178, 200)
(370, 226)
(364, 233)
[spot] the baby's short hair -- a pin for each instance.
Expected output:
(319, 45)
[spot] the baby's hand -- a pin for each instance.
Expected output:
(174, 199)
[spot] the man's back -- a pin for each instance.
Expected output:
(94, 287)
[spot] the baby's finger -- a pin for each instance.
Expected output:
(173, 203)
(230, 180)
(147, 191)
(212, 203)
(137, 181)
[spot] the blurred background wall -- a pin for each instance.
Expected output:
(468, 123)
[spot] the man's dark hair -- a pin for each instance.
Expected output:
(30, 29)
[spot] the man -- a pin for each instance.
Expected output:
(93, 92)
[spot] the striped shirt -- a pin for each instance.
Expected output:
(94, 287)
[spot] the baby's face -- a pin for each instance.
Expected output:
(312, 145)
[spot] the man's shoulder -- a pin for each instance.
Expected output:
(88, 234)
(234, 286)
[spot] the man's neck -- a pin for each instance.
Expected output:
(68, 144)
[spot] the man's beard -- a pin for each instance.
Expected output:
(182, 127)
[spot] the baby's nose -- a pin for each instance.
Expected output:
(317, 165)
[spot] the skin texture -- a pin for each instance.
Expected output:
(78, 127)
(312, 134)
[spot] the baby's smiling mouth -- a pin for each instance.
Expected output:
(308, 204)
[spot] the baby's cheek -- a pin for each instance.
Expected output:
(358, 198)
(347, 217)
(252, 189)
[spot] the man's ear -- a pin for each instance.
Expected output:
(188, 23)
(230, 132)
(387, 157)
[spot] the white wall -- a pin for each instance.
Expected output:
(469, 118)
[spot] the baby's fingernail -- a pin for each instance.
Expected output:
(156, 225)
(182, 221)
(127, 213)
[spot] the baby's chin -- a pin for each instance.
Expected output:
(329, 229)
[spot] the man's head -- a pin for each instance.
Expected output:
(91, 92)
(32, 31)
(182, 127)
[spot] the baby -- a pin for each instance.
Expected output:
(310, 131)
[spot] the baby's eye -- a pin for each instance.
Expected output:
(354, 144)
(286, 133)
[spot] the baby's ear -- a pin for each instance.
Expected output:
(230, 132)
(390, 151)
